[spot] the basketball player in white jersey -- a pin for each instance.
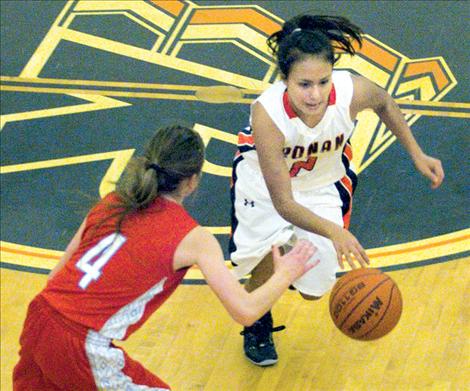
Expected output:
(292, 176)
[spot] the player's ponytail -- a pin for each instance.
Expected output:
(173, 154)
(319, 35)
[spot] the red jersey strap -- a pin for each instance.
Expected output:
(290, 111)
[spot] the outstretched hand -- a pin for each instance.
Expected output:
(348, 249)
(431, 168)
(296, 261)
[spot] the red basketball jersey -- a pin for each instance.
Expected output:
(114, 282)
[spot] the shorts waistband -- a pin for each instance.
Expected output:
(53, 314)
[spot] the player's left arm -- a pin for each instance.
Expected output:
(71, 248)
(368, 95)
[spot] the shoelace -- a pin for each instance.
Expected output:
(273, 330)
(263, 336)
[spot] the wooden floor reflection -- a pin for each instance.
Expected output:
(194, 345)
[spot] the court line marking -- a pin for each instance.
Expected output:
(190, 280)
(225, 94)
(384, 257)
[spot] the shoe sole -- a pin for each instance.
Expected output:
(265, 363)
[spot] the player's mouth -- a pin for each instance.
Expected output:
(313, 106)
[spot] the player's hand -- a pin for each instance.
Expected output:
(348, 249)
(431, 168)
(296, 261)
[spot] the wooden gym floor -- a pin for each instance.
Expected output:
(84, 84)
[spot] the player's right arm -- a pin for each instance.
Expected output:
(269, 142)
(200, 247)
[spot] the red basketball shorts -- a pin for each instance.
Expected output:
(56, 356)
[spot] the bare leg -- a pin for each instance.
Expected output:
(258, 343)
(260, 274)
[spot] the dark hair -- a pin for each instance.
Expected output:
(173, 154)
(318, 35)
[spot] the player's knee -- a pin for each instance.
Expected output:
(310, 297)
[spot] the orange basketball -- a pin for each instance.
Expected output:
(365, 304)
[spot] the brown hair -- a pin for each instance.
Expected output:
(173, 154)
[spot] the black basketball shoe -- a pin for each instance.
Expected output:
(258, 341)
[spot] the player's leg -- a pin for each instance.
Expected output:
(27, 375)
(142, 376)
(319, 280)
(265, 269)
(113, 369)
(330, 204)
(65, 356)
(258, 342)
(57, 346)
(256, 226)
(260, 274)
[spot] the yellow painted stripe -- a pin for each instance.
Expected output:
(219, 230)
(226, 33)
(101, 83)
(129, 94)
(160, 59)
(97, 103)
(157, 95)
(98, 83)
(365, 68)
(175, 87)
(141, 8)
(45, 49)
(180, 25)
(21, 255)
(430, 113)
(62, 162)
(420, 250)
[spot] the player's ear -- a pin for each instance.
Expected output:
(191, 183)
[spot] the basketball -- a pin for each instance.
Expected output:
(365, 304)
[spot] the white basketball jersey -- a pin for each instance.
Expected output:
(314, 156)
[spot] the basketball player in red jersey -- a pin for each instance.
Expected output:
(127, 258)
(293, 172)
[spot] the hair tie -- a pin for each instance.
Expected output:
(155, 166)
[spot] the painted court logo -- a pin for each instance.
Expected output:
(175, 48)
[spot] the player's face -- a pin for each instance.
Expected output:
(309, 86)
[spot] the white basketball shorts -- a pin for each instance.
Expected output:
(256, 226)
